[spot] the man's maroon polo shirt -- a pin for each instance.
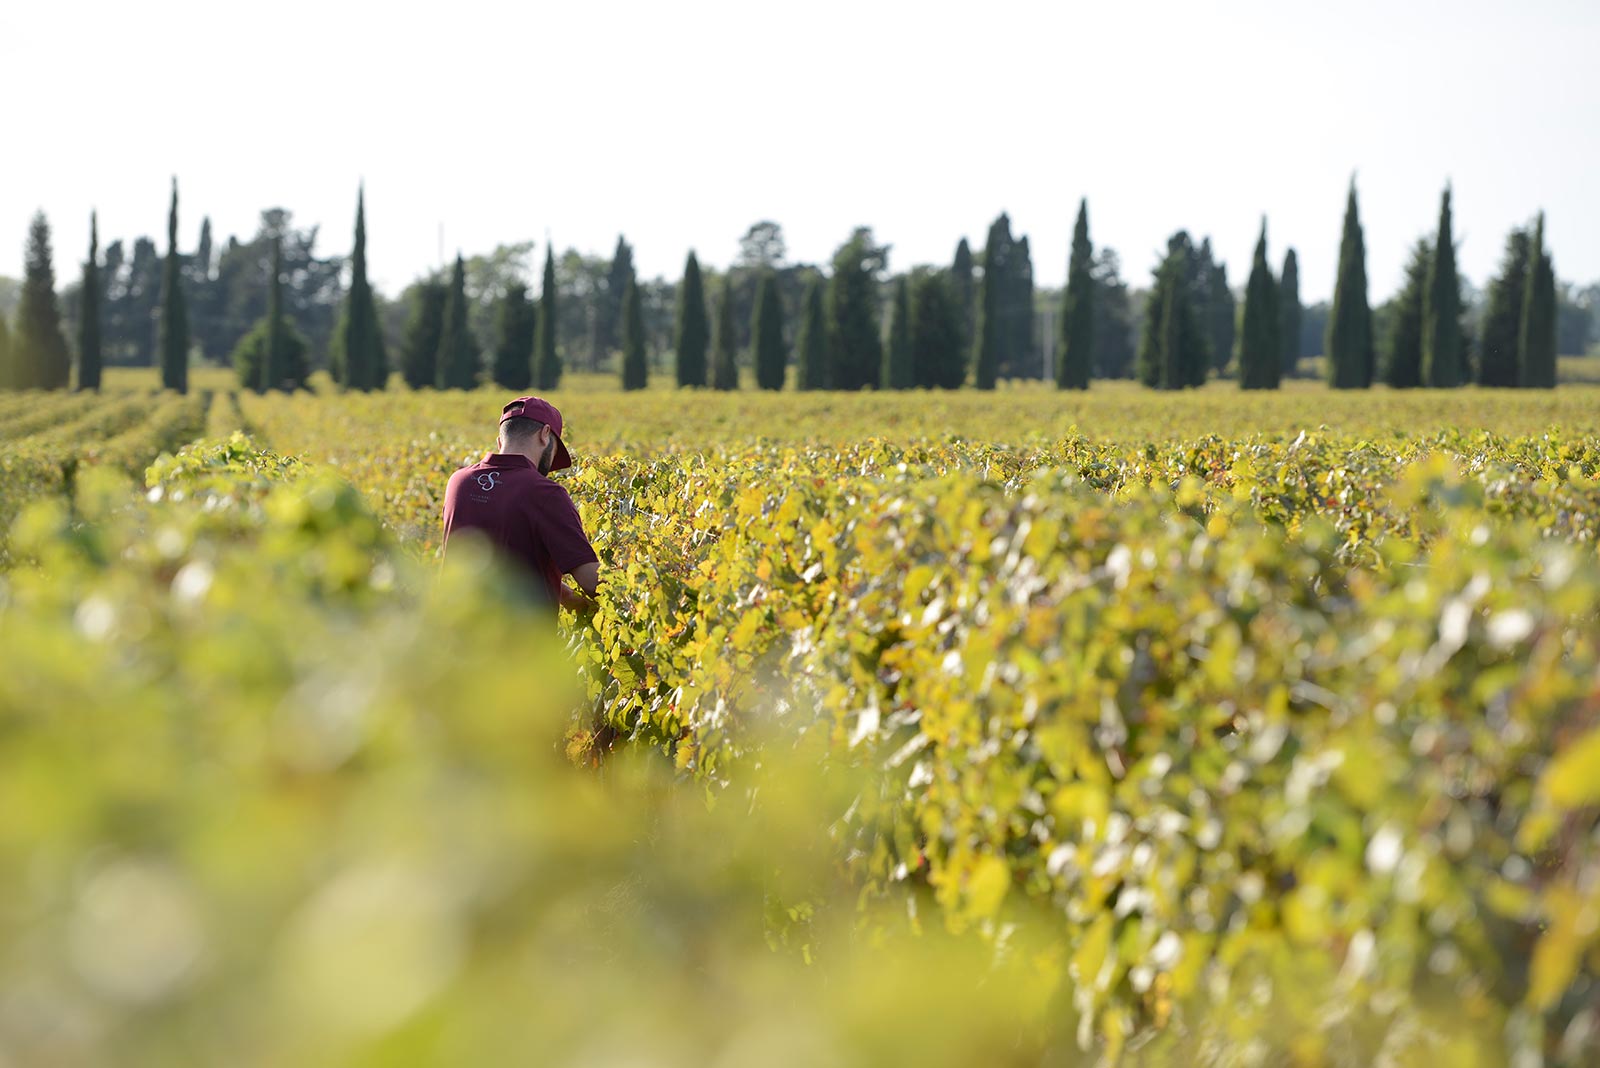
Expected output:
(529, 518)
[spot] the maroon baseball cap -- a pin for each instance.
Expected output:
(542, 411)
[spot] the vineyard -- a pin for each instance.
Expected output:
(952, 729)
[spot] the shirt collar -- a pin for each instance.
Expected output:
(507, 459)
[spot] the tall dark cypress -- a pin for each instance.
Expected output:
(1077, 309)
(360, 338)
(899, 372)
(1219, 309)
(766, 333)
(855, 340)
(1349, 349)
(89, 313)
(39, 354)
(1402, 359)
(174, 334)
(458, 352)
(515, 322)
(1499, 361)
(693, 327)
(990, 328)
(635, 358)
(202, 254)
(724, 342)
(1260, 349)
(424, 325)
(938, 343)
(1443, 362)
(1175, 308)
(964, 292)
(275, 367)
(1289, 321)
(1538, 345)
(811, 341)
(609, 302)
(546, 362)
(1173, 349)
(1019, 356)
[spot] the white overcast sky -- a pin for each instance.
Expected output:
(680, 123)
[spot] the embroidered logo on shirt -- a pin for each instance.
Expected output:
(489, 479)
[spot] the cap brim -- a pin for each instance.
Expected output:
(563, 458)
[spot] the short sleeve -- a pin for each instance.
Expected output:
(562, 531)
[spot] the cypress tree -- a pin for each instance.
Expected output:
(693, 329)
(1175, 308)
(202, 255)
(609, 304)
(39, 354)
(899, 371)
(1173, 350)
(811, 342)
(1018, 357)
(855, 340)
(964, 292)
(724, 343)
(515, 323)
(360, 337)
(274, 366)
(1500, 363)
(546, 362)
(1443, 362)
(989, 330)
(424, 326)
(1077, 309)
(1403, 360)
(1260, 348)
(174, 316)
(938, 343)
(458, 352)
(635, 360)
(89, 314)
(766, 333)
(1289, 322)
(1349, 346)
(1220, 312)
(1538, 338)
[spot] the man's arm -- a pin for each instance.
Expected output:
(587, 576)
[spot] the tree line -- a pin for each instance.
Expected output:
(275, 309)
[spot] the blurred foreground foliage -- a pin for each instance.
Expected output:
(932, 753)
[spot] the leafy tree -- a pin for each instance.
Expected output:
(762, 248)
(424, 327)
(546, 362)
(964, 291)
(458, 352)
(1537, 350)
(357, 357)
(899, 369)
(855, 340)
(1260, 347)
(1349, 346)
(693, 331)
(1444, 364)
(1403, 360)
(40, 357)
(492, 275)
(766, 330)
(275, 362)
(724, 345)
(174, 316)
(1113, 318)
(1077, 309)
(515, 323)
(811, 343)
(8, 370)
(635, 364)
(938, 340)
(89, 313)
(1289, 321)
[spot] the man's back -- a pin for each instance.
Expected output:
(528, 518)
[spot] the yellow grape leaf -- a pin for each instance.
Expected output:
(1572, 779)
(987, 886)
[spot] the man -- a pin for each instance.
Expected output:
(529, 519)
